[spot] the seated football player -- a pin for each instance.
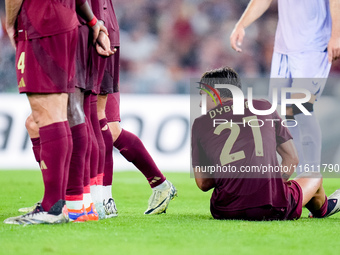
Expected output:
(236, 156)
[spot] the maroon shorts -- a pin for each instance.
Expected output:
(82, 57)
(294, 208)
(112, 110)
(95, 70)
(110, 82)
(291, 211)
(47, 65)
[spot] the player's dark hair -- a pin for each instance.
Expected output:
(223, 75)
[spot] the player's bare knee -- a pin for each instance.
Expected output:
(75, 111)
(313, 175)
(31, 126)
(115, 129)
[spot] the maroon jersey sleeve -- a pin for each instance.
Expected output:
(97, 8)
(80, 2)
(111, 23)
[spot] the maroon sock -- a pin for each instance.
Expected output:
(108, 167)
(322, 211)
(75, 185)
(36, 148)
(98, 135)
(53, 155)
(132, 148)
(94, 157)
(87, 169)
(68, 158)
(94, 154)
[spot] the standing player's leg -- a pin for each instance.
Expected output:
(33, 132)
(132, 148)
(91, 162)
(108, 85)
(309, 71)
(280, 77)
(47, 94)
(108, 201)
(55, 143)
(95, 75)
(97, 190)
(75, 188)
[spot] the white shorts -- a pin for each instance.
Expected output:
(306, 70)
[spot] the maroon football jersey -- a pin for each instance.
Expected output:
(245, 145)
(97, 8)
(111, 23)
(42, 18)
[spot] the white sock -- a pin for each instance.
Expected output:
(295, 131)
(75, 205)
(94, 194)
(311, 139)
(87, 199)
(100, 193)
(107, 192)
(163, 186)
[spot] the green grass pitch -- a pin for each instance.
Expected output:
(187, 227)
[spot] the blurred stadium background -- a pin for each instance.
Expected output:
(164, 43)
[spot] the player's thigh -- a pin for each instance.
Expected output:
(110, 81)
(101, 104)
(279, 76)
(48, 108)
(310, 183)
(75, 108)
(309, 71)
(82, 58)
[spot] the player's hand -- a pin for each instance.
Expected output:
(98, 27)
(10, 32)
(103, 45)
(236, 37)
(333, 48)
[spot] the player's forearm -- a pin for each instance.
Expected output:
(85, 11)
(12, 10)
(203, 180)
(287, 168)
(334, 6)
(254, 10)
(289, 157)
(98, 9)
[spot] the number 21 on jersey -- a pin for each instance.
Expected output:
(226, 157)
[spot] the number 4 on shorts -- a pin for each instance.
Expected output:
(21, 62)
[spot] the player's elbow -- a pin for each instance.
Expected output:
(204, 184)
